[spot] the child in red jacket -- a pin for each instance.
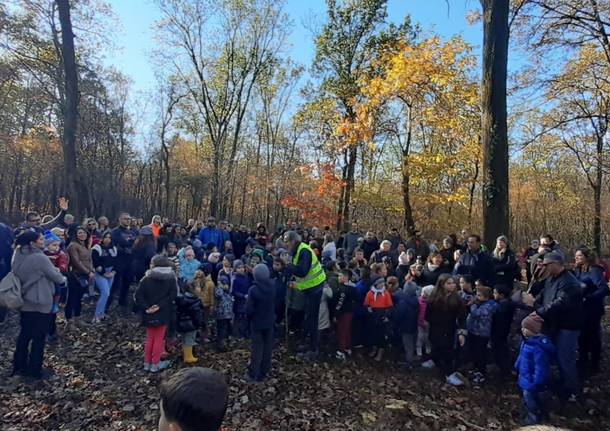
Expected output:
(60, 260)
(378, 303)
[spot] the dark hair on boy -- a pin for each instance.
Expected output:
(503, 290)
(279, 260)
(468, 278)
(342, 264)
(346, 272)
(485, 291)
(195, 398)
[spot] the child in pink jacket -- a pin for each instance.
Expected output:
(423, 343)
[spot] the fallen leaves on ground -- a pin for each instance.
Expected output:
(99, 385)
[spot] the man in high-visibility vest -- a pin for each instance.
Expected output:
(309, 278)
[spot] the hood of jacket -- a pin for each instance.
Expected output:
(261, 273)
(542, 342)
(163, 273)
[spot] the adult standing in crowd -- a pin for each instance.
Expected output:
(369, 245)
(6, 252)
(123, 238)
(309, 278)
(33, 220)
(417, 243)
(350, 241)
(38, 278)
(590, 274)
(504, 262)
(103, 256)
(560, 305)
(212, 235)
(476, 262)
(155, 225)
(81, 273)
(143, 250)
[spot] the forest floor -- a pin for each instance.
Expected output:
(98, 385)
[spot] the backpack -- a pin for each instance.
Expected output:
(10, 292)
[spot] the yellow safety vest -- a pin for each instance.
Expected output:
(315, 276)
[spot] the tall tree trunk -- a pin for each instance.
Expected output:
(70, 107)
(408, 221)
(349, 186)
(597, 194)
(493, 120)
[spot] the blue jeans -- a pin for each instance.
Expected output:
(534, 406)
(313, 296)
(566, 342)
(103, 284)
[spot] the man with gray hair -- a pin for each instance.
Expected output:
(560, 305)
(309, 278)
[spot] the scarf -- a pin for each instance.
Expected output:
(377, 292)
(432, 267)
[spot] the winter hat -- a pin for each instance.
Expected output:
(403, 259)
(533, 323)
(427, 290)
(223, 279)
(146, 231)
(50, 237)
(258, 252)
(214, 257)
(197, 243)
(210, 246)
(206, 268)
(410, 289)
(261, 272)
(238, 264)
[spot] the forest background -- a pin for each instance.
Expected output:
(383, 127)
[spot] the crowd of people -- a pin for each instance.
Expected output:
(445, 306)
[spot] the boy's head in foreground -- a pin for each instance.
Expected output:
(193, 399)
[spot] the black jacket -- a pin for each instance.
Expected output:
(158, 287)
(346, 297)
(479, 265)
(560, 303)
(189, 313)
(405, 312)
(595, 290)
(505, 268)
(260, 304)
(429, 277)
(445, 321)
(503, 319)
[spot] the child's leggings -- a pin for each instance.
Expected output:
(155, 342)
(423, 342)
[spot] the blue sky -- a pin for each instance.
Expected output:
(134, 39)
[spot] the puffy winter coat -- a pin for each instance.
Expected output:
(157, 287)
(189, 313)
(534, 362)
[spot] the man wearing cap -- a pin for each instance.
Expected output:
(309, 278)
(560, 305)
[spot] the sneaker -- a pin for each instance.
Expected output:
(418, 351)
(373, 352)
(379, 355)
(478, 378)
(348, 352)
(162, 365)
(147, 366)
(340, 355)
(454, 380)
(428, 364)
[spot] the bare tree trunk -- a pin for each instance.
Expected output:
(494, 136)
(597, 195)
(70, 108)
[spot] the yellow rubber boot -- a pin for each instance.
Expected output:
(187, 355)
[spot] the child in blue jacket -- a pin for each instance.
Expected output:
(479, 325)
(534, 366)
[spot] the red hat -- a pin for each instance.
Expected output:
(533, 323)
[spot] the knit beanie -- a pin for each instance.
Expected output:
(403, 259)
(379, 282)
(238, 264)
(533, 323)
(50, 237)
